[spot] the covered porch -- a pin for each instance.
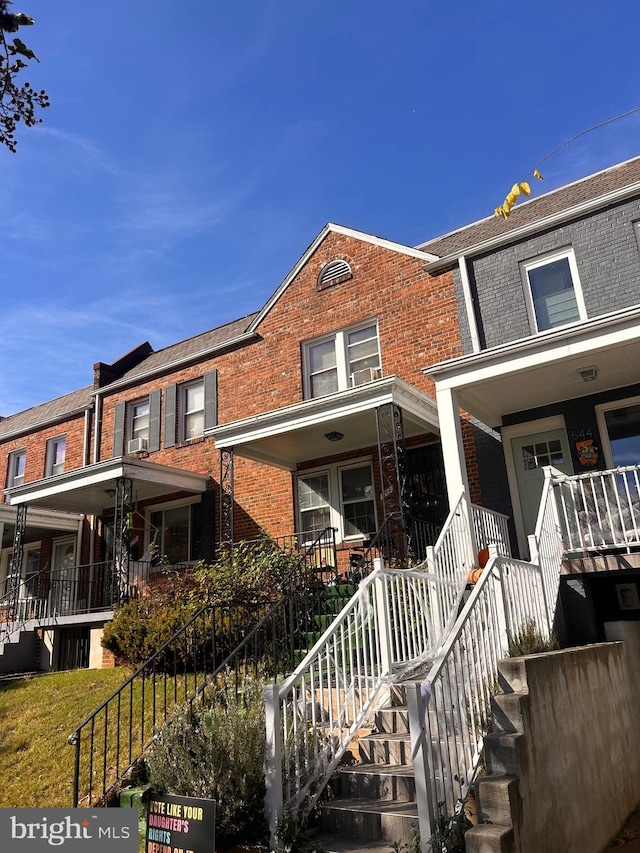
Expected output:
(568, 398)
(353, 456)
(100, 565)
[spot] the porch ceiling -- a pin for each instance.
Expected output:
(91, 489)
(285, 437)
(545, 369)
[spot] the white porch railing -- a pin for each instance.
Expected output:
(598, 509)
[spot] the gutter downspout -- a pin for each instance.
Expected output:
(468, 304)
(96, 428)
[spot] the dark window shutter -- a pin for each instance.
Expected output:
(118, 429)
(170, 395)
(210, 399)
(154, 420)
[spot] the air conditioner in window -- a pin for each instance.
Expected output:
(137, 445)
(361, 377)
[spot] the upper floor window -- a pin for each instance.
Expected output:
(554, 292)
(17, 461)
(342, 360)
(56, 451)
(190, 409)
(139, 420)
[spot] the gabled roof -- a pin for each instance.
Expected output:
(191, 349)
(537, 209)
(46, 413)
(331, 227)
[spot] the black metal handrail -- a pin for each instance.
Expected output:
(262, 640)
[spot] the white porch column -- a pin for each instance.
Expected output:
(452, 444)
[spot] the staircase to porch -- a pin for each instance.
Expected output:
(373, 800)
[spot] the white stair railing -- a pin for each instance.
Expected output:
(396, 620)
(449, 711)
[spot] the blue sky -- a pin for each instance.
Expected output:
(194, 149)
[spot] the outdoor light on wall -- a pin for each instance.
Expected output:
(588, 374)
(334, 436)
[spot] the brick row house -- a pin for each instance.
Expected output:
(375, 384)
(312, 413)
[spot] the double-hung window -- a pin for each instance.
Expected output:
(554, 295)
(139, 420)
(17, 461)
(191, 410)
(342, 360)
(56, 451)
(337, 496)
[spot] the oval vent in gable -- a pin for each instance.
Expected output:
(335, 272)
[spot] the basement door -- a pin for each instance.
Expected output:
(530, 454)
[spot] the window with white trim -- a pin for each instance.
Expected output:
(16, 466)
(554, 294)
(56, 452)
(176, 529)
(191, 410)
(138, 419)
(340, 496)
(342, 360)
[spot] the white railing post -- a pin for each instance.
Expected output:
(434, 597)
(273, 761)
(381, 593)
(502, 614)
(418, 710)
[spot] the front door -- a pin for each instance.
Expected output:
(63, 594)
(530, 454)
(427, 495)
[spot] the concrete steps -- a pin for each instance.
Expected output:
(374, 800)
(497, 793)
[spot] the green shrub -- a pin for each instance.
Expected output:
(218, 753)
(529, 641)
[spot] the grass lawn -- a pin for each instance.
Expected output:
(36, 716)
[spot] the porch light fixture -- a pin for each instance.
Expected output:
(334, 436)
(588, 374)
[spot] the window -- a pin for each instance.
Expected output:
(139, 420)
(28, 571)
(339, 496)
(178, 531)
(192, 410)
(15, 474)
(56, 449)
(342, 360)
(554, 292)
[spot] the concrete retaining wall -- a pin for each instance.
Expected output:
(579, 759)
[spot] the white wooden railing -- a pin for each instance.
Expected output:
(598, 509)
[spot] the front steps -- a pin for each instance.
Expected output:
(374, 800)
(18, 648)
(497, 793)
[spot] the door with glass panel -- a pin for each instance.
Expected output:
(63, 596)
(531, 453)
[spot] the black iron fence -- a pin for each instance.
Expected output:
(218, 648)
